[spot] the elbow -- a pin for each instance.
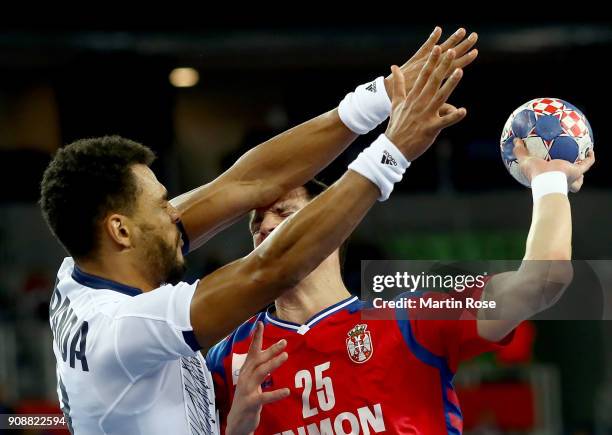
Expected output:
(562, 269)
(548, 279)
(555, 266)
(559, 277)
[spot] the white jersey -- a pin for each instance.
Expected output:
(127, 361)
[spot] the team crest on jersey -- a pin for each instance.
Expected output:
(359, 344)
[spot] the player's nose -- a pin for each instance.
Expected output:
(267, 226)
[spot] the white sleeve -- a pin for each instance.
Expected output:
(154, 327)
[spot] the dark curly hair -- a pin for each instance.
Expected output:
(84, 182)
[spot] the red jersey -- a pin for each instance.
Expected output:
(350, 375)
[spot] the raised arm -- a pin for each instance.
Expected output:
(262, 175)
(231, 294)
(292, 158)
(546, 269)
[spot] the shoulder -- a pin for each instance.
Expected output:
(64, 282)
(217, 354)
(70, 294)
(65, 269)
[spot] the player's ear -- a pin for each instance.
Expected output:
(117, 228)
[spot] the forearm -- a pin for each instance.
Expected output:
(550, 235)
(544, 274)
(292, 158)
(546, 269)
(262, 175)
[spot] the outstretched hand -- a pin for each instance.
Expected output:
(464, 55)
(418, 116)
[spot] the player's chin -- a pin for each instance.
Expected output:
(175, 273)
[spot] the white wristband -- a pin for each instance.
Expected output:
(547, 183)
(381, 163)
(365, 108)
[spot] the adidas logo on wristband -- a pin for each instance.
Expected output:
(371, 87)
(387, 159)
(383, 173)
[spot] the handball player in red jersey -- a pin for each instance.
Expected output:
(348, 372)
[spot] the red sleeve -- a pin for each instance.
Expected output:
(452, 333)
(463, 342)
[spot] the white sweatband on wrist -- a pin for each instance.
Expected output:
(547, 183)
(381, 163)
(365, 108)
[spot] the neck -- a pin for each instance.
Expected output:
(119, 270)
(319, 290)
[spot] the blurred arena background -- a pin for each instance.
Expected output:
(240, 85)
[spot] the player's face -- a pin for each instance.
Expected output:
(265, 220)
(157, 237)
